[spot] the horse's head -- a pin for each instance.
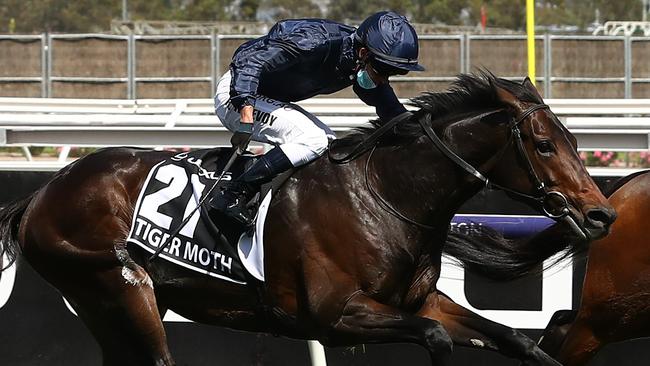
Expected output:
(540, 163)
(500, 132)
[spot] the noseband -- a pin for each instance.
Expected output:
(540, 194)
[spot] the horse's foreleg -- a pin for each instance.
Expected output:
(469, 329)
(365, 320)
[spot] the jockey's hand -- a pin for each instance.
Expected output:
(242, 136)
(246, 114)
(240, 140)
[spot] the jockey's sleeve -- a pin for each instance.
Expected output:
(383, 98)
(247, 67)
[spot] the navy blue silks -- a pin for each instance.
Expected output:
(301, 58)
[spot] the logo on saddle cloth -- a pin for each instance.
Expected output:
(171, 192)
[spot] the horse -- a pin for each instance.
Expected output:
(616, 290)
(366, 276)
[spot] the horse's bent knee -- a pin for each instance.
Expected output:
(528, 351)
(522, 344)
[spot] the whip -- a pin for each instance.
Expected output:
(238, 151)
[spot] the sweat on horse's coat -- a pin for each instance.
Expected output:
(131, 277)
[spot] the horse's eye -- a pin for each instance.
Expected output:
(545, 147)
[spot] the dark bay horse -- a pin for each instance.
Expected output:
(352, 250)
(615, 303)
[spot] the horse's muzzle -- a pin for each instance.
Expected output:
(593, 224)
(598, 221)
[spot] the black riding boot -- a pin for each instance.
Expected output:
(231, 200)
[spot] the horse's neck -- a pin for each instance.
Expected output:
(426, 183)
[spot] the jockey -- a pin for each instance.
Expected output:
(296, 60)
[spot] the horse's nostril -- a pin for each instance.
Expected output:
(603, 216)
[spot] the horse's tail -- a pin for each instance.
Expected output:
(489, 254)
(10, 217)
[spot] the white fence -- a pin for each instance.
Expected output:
(615, 64)
(598, 124)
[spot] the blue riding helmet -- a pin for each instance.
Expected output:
(391, 40)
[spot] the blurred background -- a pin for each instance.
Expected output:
(89, 16)
(178, 48)
(135, 49)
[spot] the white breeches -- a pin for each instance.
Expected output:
(301, 136)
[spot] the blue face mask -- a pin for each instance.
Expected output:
(364, 80)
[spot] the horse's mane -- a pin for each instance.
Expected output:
(469, 94)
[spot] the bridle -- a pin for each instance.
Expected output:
(540, 194)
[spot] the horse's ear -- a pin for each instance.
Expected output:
(508, 98)
(530, 86)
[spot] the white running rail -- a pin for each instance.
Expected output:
(599, 124)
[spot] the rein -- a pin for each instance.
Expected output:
(371, 141)
(541, 195)
(382, 202)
